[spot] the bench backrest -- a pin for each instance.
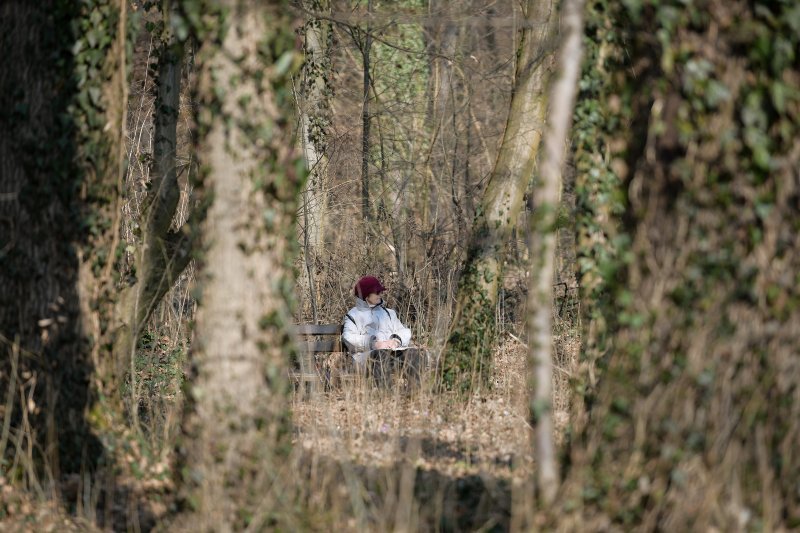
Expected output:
(316, 338)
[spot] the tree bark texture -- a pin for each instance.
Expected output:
(236, 424)
(366, 208)
(315, 118)
(63, 96)
(164, 253)
(466, 359)
(694, 422)
(542, 235)
(315, 112)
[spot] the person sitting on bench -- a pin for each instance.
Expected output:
(370, 325)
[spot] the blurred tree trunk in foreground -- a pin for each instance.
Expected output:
(466, 360)
(542, 236)
(63, 96)
(695, 421)
(236, 420)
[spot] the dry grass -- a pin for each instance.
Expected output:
(365, 457)
(366, 425)
(482, 443)
(20, 510)
(486, 434)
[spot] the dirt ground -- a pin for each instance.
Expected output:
(487, 435)
(420, 460)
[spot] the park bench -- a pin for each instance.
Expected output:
(321, 350)
(323, 361)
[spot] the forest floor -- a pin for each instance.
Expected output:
(371, 426)
(420, 460)
(470, 453)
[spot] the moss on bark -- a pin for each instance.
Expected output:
(466, 360)
(63, 96)
(697, 398)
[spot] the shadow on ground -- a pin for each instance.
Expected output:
(379, 495)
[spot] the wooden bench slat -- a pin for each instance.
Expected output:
(306, 377)
(322, 346)
(318, 329)
(309, 367)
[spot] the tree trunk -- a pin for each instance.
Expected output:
(598, 242)
(164, 253)
(391, 204)
(447, 121)
(64, 97)
(315, 122)
(236, 424)
(542, 235)
(365, 121)
(467, 356)
(315, 118)
(694, 424)
(444, 37)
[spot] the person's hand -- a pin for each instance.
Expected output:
(391, 344)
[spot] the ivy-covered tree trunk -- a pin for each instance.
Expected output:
(164, 252)
(236, 422)
(315, 116)
(366, 48)
(315, 91)
(466, 360)
(694, 424)
(600, 241)
(63, 97)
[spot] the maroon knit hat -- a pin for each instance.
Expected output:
(367, 285)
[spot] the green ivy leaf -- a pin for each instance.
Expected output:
(284, 62)
(792, 18)
(179, 26)
(777, 92)
(717, 93)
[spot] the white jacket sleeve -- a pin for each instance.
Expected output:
(399, 330)
(353, 338)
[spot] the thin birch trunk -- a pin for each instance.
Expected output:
(546, 200)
